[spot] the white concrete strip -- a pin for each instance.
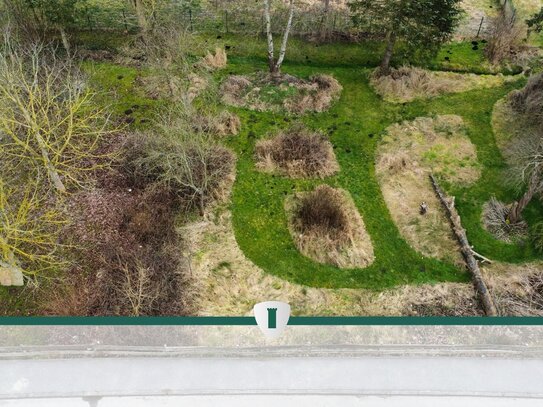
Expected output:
(274, 401)
(441, 376)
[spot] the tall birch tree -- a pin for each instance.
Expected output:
(275, 64)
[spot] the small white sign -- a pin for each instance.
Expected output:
(272, 317)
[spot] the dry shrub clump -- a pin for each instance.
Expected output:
(195, 169)
(517, 289)
(505, 38)
(317, 95)
(495, 220)
(221, 124)
(185, 118)
(326, 226)
(161, 87)
(297, 153)
(519, 116)
(407, 83)
(260, 92)
(215, 61)
(528, 101)
(409, 152)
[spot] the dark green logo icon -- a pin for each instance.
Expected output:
(272, 318)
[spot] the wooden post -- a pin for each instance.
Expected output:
(471, 263)
(226, 20)
(190, 19)
(480, 26)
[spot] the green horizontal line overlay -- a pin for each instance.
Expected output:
(294, 321)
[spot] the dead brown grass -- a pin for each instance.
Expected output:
(220, 124)
(407, 155)
(327, 227)
(224, 282)
(297, 153)
(409, 83)
(316, 95)
(517, 289)
(215, 61)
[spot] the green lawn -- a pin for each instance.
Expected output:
(355, 125)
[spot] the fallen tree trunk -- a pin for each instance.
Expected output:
(471, 263)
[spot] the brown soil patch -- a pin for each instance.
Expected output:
(407, 155)
(297, 153)
(327, 227)
(291, 94)
(406, 84)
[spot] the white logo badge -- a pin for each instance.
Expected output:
(272, 317)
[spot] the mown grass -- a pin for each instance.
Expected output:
(355, 125)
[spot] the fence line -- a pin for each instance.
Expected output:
(235, 19)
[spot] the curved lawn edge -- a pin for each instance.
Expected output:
(259, 220)
(355, 125)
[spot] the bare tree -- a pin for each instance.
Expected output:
(192, 167)
(527, 170)
(506, 34)
(146, 12)
(28, 234)
(48, 120)
(275, 65)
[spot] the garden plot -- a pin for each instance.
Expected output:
(326, 227)
(406, 84)
(410, 151)
(259, 92)
(297, 153)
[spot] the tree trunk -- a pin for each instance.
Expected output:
(51, 170)
(283, 49)
(324, 20)
(271, 59)
(385, 62)
(467, 252)
(142, 18)
(515, 214)
(65, 41)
